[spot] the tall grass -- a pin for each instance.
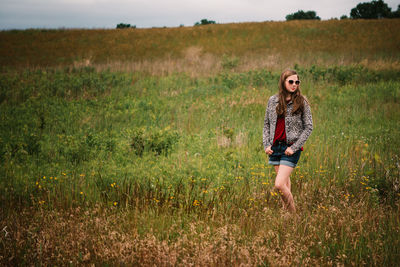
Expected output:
(107, 167)
(275, 45)
(143, 146)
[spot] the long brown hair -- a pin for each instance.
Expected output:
(296, 97)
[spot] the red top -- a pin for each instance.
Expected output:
(280, 132)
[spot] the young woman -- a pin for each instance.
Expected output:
(287, 126)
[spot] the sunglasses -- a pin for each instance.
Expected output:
(296, 82)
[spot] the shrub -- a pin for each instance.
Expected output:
(204, 22)
(229, 62)
(157, 141)
(347, 74)
(124, 26)
(75, 149)
(303, 15)
(19, 146)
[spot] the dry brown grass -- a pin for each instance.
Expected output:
(209, 64)
(257, 237)
(198, 50)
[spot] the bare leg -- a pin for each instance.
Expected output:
(277, 170)
(288, 184)
(282, 183)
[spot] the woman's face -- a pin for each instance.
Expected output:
(290, 83)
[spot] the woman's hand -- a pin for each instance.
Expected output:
(289, 151)
(269, 151)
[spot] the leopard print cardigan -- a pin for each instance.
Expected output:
(298, 127)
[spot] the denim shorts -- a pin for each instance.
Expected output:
(278, 157)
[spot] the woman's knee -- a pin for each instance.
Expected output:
(280, 186)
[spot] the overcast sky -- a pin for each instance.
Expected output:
(22, 14)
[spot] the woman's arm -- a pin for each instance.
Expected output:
(266, 141)
(306, 118)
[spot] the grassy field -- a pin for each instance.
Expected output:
(199, 50)
(142, 156)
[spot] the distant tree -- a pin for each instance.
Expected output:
(303, 15)
(344, 17)
(124, 26)
(371, 10)
(396, 14)
(204, 22)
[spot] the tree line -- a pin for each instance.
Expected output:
(368, 10)
(376, 9)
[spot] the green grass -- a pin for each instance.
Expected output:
(172, 156)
